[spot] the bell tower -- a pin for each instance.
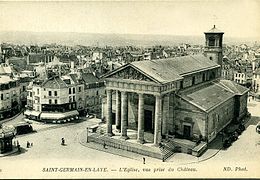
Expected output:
(213, 48)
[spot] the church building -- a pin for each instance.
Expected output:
(175, 98)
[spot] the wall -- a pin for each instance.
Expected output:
(243, 105)
(219, 117)
(187, 81)
(184, 111)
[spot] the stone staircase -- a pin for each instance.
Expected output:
(167, 150)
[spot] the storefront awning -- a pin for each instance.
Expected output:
(53, 115)
(71, 113)
(33, 113)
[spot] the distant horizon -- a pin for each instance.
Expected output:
(106, 39)
(202, 34)
(238, 18)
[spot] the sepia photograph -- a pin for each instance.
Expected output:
(129, 89)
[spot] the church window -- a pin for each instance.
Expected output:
(193, 80)
(181, 84)
(203, 77)
(211, 41)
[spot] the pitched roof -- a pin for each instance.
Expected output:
(54, 83)
(208, 97)
(89, 78)
(215, 30)
(5, 79)
(172, 69)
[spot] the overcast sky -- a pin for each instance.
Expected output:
(235, 17)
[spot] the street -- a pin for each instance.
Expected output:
(47, 152)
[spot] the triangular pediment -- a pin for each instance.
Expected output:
(130, 72)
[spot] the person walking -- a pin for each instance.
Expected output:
(143, 160)
(28, 144)
(19, 148)
(62, 141)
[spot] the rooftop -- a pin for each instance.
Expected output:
(54, 83)
(89, 78)
(233, 87)
(208, 97)
(171, 69)
(5, 79)
(215, 30)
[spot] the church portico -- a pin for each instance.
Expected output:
(122, 91)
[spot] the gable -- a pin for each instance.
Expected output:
(130, 73)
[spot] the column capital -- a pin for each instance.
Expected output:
(124, 93)
(158, 95)
(109, 90)
(141, 95)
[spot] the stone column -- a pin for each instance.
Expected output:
(166, 110)
(140, 135)
(124, 115)
(158, 120)
(109, 112)
(118, 110)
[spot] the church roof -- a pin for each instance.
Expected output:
(208, 97)
(169, 69)
(172, 69)
(233, 87)
(215, 30)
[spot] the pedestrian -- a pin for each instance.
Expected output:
(163, 159)
(28, 144)
(19, 148)
(104, 145)
(62, 141)
(31, 144)
(17, 142)
(143, 160)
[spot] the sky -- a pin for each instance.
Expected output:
(237, 18)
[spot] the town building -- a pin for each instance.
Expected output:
(178, 101)
(10, 90)
(93, 94)
(256, 84)
(240, 77)
(63, 98)
(57, 99)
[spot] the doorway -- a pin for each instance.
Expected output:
(186, 131)
(148, 121)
